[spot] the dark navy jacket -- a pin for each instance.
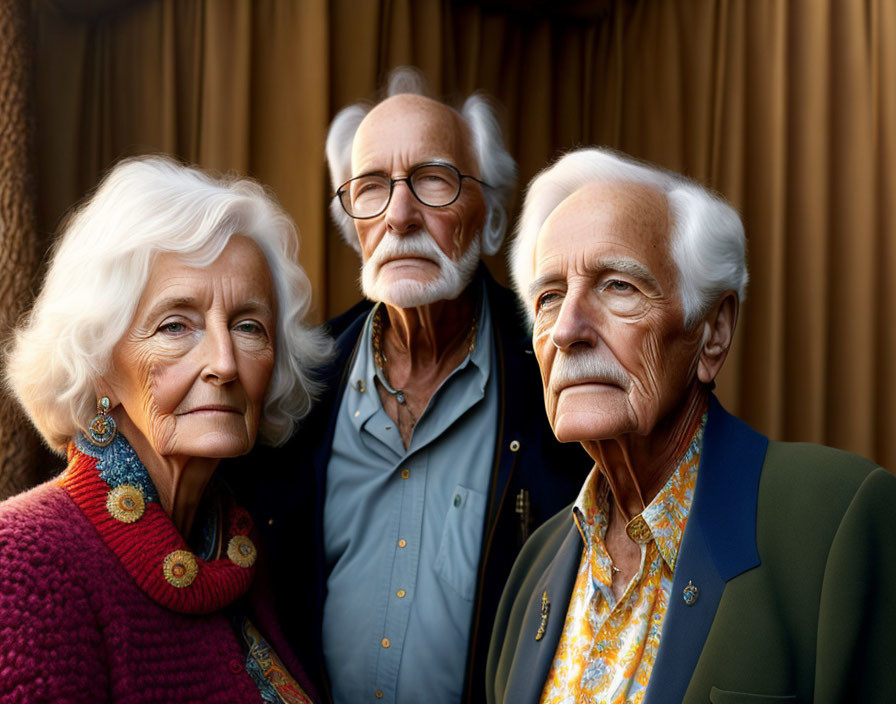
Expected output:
(285, 487)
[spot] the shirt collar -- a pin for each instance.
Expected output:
(663, 520)
(667, 514)
(590, 508)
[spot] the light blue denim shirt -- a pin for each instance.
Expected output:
(403, 530)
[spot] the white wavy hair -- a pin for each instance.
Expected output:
(99, 268)
(496, 167)
(707, 236)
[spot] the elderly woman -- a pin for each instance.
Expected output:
(167, 336)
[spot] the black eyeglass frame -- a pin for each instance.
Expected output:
(407, 179)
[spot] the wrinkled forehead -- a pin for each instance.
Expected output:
(625, 221)
(406, 130)
(241, 261)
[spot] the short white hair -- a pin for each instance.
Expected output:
(707, 235)
(496, 167)
(101, 264)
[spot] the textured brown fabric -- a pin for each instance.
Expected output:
(21, 453)
(787, 107)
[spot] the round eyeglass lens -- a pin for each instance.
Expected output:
(435, 185)
(366, 195)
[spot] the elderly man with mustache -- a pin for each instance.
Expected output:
(413, 484)
(701, 562)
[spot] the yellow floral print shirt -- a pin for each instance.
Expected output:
(608, 648)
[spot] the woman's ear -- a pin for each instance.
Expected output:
(718, 332)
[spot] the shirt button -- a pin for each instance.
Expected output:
(457, 499)
(638, 530)
(385, 643)
(405, 473)
(402, 543)
(235, 666)
(400, 593)
(378, 694)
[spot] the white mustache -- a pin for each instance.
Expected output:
(420, 244)
(582, 367)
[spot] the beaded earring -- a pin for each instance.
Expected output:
(102, 429)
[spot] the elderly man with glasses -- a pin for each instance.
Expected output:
(420, 473)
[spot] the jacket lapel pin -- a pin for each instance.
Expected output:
(545, 610)
(690, 594)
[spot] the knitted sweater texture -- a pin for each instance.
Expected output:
(75, 627)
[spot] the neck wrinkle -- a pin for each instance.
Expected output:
(634, 483)
(179, 480)
(185, 486)
(429, 334)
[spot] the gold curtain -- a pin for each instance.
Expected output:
(787, 107)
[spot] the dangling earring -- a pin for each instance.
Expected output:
(102, 428)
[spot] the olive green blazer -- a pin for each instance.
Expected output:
(792, 550)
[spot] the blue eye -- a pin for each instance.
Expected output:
(249, 327)
(172, 328)
(546, 299)
(619, 286)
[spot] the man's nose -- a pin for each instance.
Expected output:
(575, 324)
(404, 213)
(219, 356)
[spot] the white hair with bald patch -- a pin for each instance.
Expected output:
(496, 167)
(101, 263)
(707, 235)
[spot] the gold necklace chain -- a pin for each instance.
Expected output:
(379, 357)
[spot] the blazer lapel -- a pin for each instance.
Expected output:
(719, 543)
(534, 654)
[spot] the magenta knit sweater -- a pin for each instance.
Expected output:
(75, 627)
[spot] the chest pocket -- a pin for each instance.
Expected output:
(458, 560)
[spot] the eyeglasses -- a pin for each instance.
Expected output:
(433, 184)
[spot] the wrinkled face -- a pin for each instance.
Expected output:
(609, 328)
(192, 371)
(415, 254)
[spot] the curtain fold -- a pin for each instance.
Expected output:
(786, 107)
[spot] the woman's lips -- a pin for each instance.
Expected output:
(212, 408)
